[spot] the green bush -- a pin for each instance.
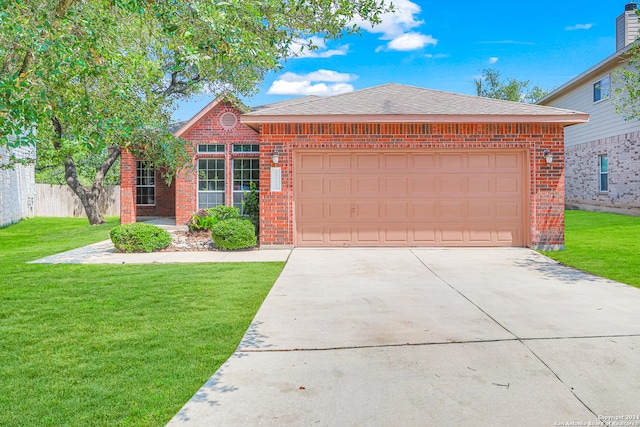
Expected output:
(234, 233)
(251, 206)
(205, 219)
(139, 237)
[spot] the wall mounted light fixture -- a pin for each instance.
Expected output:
(275, 157)
(548, 156)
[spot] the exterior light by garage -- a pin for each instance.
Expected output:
(275, 157)
(548, 156)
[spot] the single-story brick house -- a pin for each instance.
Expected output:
(391, 165)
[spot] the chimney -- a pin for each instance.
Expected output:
(627, 26)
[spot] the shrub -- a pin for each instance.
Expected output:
(224, 212)
(234, 233)
(251, 206)
(205, 219)
(139, 237)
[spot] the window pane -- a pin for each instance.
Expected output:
(604, 182)
(604, 164)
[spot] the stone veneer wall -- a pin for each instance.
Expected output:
(17, 187)
(583, 174)
(546, 182)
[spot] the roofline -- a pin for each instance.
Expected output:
(195, 119)
(567, 119)
(622, 53)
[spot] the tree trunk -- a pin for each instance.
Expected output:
(90, 196)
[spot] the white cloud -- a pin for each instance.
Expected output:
(411, 41)
(579, 27)
(300, 49)
(493, 60)
(321, 82)
(437, 55)
(397, 28)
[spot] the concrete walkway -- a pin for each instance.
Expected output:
(105, 253)
(430, 337)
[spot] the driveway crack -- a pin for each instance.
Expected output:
(517, 338)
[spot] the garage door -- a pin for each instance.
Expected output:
(449, 198)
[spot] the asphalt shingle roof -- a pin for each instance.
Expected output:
(401, 100)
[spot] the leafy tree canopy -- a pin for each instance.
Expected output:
(491, 86)
(627, 86)
(80, 76)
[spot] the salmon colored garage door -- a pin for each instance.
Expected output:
(448, 198)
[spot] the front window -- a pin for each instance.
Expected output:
(246, 148)
(604, 172)
(210, 148)
(602, 89)
(245, 171)
(145, 184)
(210, 183)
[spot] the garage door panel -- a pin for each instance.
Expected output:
(508, 161)
(506, 185)
(480, 162)
(338, 186)
(474, 198)
(367, 161)
(368, 184)
(367, 210)
(337, 210)
(338, 162)
(395, 161)
(312, 186)
(453, 161)
(312, 210)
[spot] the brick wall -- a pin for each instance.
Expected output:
(546, 183)
(165, 199)
(582, 175)
(127, 188)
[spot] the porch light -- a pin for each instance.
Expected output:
(275, 157)
(548, 156)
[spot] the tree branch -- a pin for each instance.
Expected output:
(98, 183)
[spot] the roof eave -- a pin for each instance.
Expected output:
(568, 119)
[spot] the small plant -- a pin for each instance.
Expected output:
(139, 237)
(222, 212)
(251, 206)
(234, 233)
(205, 219)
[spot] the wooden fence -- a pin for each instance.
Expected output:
(61, 201)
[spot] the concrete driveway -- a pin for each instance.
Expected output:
(431, 337)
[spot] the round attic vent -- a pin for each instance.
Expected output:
(228, 120)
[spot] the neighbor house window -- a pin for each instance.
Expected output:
(604, 172)
(210, 183)
(602, 89)
(145, 184)
(245, 171)
(210, 148)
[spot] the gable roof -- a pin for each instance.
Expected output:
(611, 62)
(401, 103)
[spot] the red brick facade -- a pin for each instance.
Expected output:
(545, 187)
(546, 182)
(180, 199)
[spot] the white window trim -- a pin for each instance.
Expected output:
(600, 173)
(155, 195)
(593, 90)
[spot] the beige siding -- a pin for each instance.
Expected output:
(603, 120)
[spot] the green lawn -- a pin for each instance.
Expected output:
(125, 345)
(604, 244)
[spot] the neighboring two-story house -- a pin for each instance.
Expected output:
(602, 157)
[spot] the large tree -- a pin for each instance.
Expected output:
(489, 85)
(80, 76)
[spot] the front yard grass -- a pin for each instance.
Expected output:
(603, 244)
(123, 345)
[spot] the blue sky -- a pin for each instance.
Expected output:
(445, 45)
